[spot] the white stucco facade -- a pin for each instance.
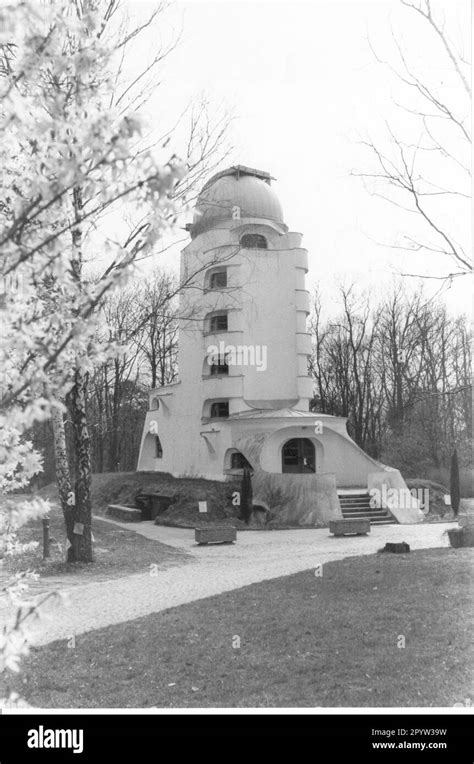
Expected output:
(247, 300)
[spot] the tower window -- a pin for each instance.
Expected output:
(218, 322)
(158, 448)
(253, 241)
(238, 461)
(220, 410)
(298, 455)
(218, 280)
(221, 366)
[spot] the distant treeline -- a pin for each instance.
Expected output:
(399, 370)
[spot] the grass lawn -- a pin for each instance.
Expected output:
(117, 552)
(305, 641)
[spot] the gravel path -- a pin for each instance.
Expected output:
(257, 556)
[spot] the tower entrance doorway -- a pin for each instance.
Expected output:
(298, 455)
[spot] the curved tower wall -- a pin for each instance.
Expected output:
(267, 305)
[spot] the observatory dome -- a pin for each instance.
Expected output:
(239, 187)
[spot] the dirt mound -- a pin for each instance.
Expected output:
(122, 487)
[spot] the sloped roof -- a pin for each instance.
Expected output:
(279, 414)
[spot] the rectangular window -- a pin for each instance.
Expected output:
(217, 369)
(218, 323)
(220, 410)
(221, 366)
(238, 461)
(218, 280)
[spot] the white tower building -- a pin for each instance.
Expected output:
(244, 390)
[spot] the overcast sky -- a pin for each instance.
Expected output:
(304, 87)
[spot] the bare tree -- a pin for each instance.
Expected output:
(343, 364)
(141, 321)
(399, 370)
(156, 332)
(422, 166)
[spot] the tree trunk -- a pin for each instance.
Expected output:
(454, 484)
(63, 478)
(82, 534)
(82, 530)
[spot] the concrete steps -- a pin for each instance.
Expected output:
(355, 505)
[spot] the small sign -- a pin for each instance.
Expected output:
(447, 499)
(202, 506)
(78, 529)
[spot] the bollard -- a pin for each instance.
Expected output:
(45, 522)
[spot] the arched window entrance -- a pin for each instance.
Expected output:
(253, 241)
(238, 461)
(298, 455)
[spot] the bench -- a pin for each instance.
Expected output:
(347, 526)
(225, 534)
(124, 514)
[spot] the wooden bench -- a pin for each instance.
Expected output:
(347, 526)
(124, 514)
(224, 534)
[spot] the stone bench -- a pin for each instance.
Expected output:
(224, 534)
(347, 526)
(124, 514)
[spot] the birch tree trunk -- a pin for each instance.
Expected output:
(63, 478)
(82, 531)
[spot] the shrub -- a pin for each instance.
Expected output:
(454, 483)
(246, 495)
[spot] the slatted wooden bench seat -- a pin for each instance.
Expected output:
(345, 527)
(215, 534)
